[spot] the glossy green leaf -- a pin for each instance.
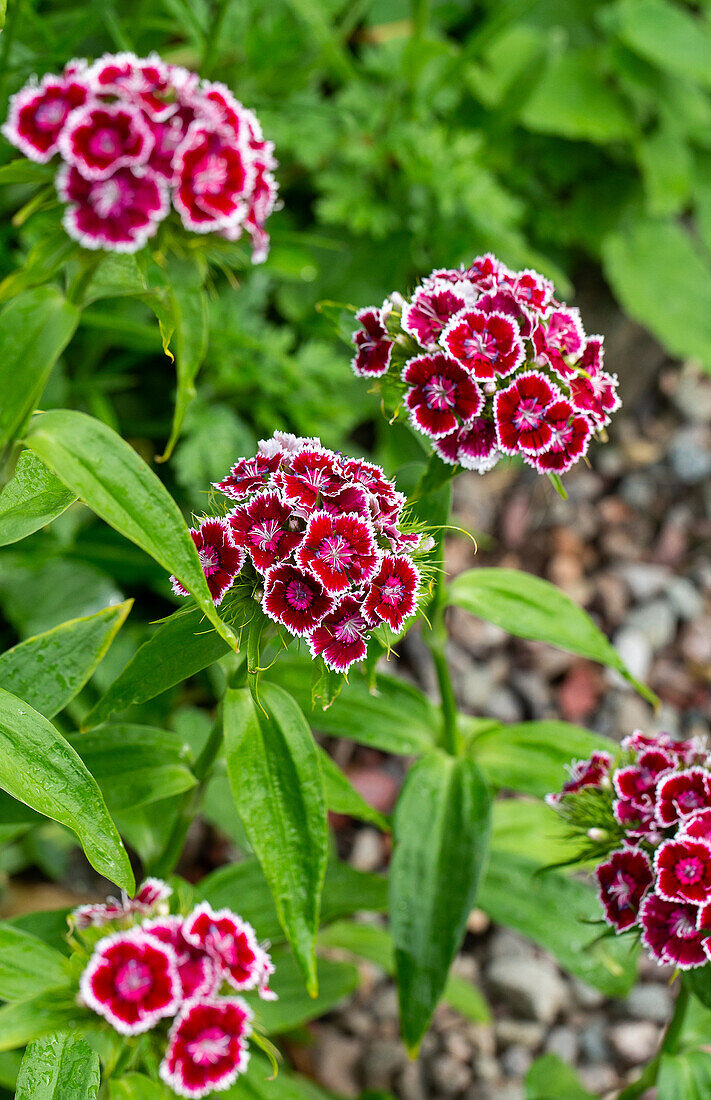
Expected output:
(23, 170)
(115, 482)
(181, 646)
(531, 757)
(663, 281)
(276, 782)
(343, 798)
(189, 319)
(59, 1067)
(514, 894)
(520, 825)
(32, 498)
(684, 1076)
(441, 832)
(35, 328)
(34, 1017)
(47, 671)
(158, 764)
(373, 942)
(393, 717)
(41, 769)
(135, 1086)
(550, 1078)
(530, 607)
(259, 1083)
(27, 965)
(295, 1007)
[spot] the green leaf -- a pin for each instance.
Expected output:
(35, 328)
(550, 1078)
(23, 170)
(23, 1021)
(181, 646)
(343, 798)
(532, 827)
(190, 332)
(32, 498)
(515, 895)
(295, 1007)
(394, 717)
(27, 965)
(135, 1086)
(530, 607)
(158, 767)
(116, 483)
(440, 834)
(531, 757)
(276, 782)
(41, 769)
(662, 281)
(47, 671)
(667, 170)
(59, 1067)
(373, 942)
(686, 1075)
(699, 982)
(259, 1083)
(574, 100)
(666, 34)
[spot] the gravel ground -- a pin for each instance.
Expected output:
(632, 545)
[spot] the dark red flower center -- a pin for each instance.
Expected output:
(209, 175)
(689, 800)
(336, 552)
(209, 560)
(265, 534)
(50, 114)
(529, 413)
(440, 392)
(689, 870)
(210, 1047)
(681, 926)
(349, 630)
(392, 591)
(107, 198)
(105, 142)
(622, 889)
(481, 343)
(299, 595)
(133, 980)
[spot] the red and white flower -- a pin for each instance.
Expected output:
(143, 81)
(311, 475)
(623, 881)
(484, 272)
(392, 595)
(698, 825)
(487, 344)
(532, 290)
(441, 394)
(570, 435)
(249, 475)
(38, 113)
(264, 529)
(638, 781)
(213, 176)
(199, 974)
(132, 981)
(339, 550)
(341, 637)
(474, 446)
(670, 934)
(430, 311)
(295, 599)
(681, 794)
(520, 413)
(119, 213)
(229, 940)
(99, 138)
(221, 560)
(374, 348)
(683, 870)
(149, 898)
(592, 772)
(207, 1046)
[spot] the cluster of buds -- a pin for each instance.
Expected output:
(154, 967)
(489, 363)
(647, 818)
(323, 537)
(136, 135)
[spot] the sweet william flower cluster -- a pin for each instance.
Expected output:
(324, 537)
(489, 363)
(155, 970)
(651, 810)
(136, 136)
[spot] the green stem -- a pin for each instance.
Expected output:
(436, 640)
(669, 1045)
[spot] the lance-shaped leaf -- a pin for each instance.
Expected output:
(59, 1067)
(136, 1086)
(181, 646)
(441, 832)
(27, 965)
(276, 782)
(32, 498)
(530, 607)
(343, 798)
(114, 481)
(34, 1017)
(47, 671)
(35, 328)
(158, 765)
(40, 768)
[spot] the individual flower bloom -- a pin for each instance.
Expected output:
(229, 940)
(698, 825)
(487, 344)
(638, 781)
(681, 794)
(149, 895)
(264, 528)
(373, 345)
(199, 974)
(385, 501)
(132, 981)
(100, 138)
(623, 881)
(295, 598)
(501, 300)
(143, 81)
(96, 916)
(37, 114)
(392, 595)
(338, 550)
(569, 440)
(638, 820)
(683, 870)
(118, 214)
(584, 773)
(669, 932)
(484, 272)
(564, 331)
(520, 413)
(248, 475)
(221, 560)
(207, 1046)
(441, 394)
(593, 391)
(532, 290)
(341, 637)
(312, 472)
(686, 752)
(474, 446)
(429, 311)
(213, 176)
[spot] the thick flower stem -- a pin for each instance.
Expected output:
(436, 640)
(669, 1045)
